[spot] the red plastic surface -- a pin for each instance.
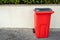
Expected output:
(42, 23)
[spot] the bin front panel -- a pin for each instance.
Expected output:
(42, 23)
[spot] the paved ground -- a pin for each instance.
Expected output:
(26, 34)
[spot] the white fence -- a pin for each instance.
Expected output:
(22, 16)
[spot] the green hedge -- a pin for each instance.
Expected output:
(29, 1)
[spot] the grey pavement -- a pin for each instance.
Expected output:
(26, 34)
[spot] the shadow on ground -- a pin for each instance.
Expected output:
(25, 34)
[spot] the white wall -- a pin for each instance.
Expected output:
(21, 16)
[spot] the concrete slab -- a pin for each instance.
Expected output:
(26, 34)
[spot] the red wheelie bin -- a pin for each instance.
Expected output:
(42, 18)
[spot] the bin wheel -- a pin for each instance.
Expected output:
(33, 30)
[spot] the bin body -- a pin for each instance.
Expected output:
(42, 23)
